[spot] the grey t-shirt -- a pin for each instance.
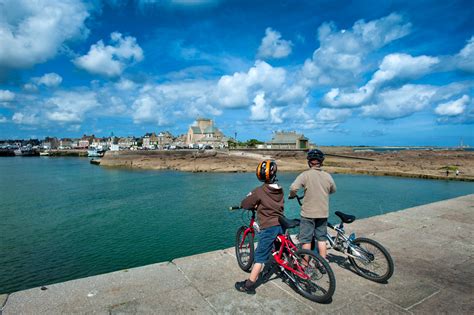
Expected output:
(317, 185)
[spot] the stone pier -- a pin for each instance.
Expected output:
(432, 247)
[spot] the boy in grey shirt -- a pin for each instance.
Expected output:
(317, 185)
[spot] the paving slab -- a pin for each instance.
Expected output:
(431, 246)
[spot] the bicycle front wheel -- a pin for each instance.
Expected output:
(244, 249)
(321, 283)
(372, 260)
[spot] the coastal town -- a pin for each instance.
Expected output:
(202, 135)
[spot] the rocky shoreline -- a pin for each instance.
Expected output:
(408, 163)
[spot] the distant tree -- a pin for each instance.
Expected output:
(252, 143)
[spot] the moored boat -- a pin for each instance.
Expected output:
(95, 153)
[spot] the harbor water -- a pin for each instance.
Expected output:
(63, 218)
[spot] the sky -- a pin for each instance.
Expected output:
(340, 72)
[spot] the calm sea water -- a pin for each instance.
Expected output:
(63, 218)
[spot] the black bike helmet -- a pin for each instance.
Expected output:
(315, 154)
(266, 171)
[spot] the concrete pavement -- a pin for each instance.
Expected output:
(431, 246)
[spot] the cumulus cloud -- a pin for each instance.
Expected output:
(164, 103)
(30, 87)
(234, 91)
(3, 119)
(453, 108)
(401, 102)
(273, 46)
(6, 96)
(465, 58)
(329, 115)
(111, 60)
(125, 85)
(259, 110)
(25, 118)
(70, 106)
(49, 79)
(32, 32)
(393, 68)
(340, 59)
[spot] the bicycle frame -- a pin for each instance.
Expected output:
(250, 229)
(290, 248)
(342, 243)
(286, 244)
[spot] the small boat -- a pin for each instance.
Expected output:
(95, 161)
(95, 153)
(26, 151)
(44, 153)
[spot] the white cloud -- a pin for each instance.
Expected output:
(32, 32)
(329, 115)
(465, 58)
(49, 79)
(234, 91)
(276, 115)
(70, 106)
(111, 60)
(163, 104)
(25, 118)
(394, 67)
(273, 46)
(259, 111)
(453, 108)
(6, 96)
(340, 59)
(3, 119)
(402, 102)
(30, 87)
(125, 85)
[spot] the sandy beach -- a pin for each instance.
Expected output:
(406, 163)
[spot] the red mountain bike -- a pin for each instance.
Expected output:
(309, 273)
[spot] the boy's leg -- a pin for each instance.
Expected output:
(306, 232)
(262, 252)
(322, 249)
(257, 267)
(320, 232)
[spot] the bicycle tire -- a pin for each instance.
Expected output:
(307, 287)
(364, 272)
(244, 259)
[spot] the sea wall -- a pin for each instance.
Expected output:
(193, 160)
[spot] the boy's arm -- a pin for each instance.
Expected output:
(251, 201)
(332, 188)
(297, 184)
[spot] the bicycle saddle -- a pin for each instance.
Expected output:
(346, 218)
(288, 223)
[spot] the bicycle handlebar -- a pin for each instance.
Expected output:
(299, 198)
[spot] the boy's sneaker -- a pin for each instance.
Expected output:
(243, 286)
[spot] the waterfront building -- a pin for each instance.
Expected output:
(203, 132)
(128, 142)
(101, 143)
(65, 143)
(288, 140)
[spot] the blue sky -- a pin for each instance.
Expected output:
(341, 72)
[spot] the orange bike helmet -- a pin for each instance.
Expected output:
(266, 171)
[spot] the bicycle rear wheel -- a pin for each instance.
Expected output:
(321, 284)
(373, 262)
(244, 249)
